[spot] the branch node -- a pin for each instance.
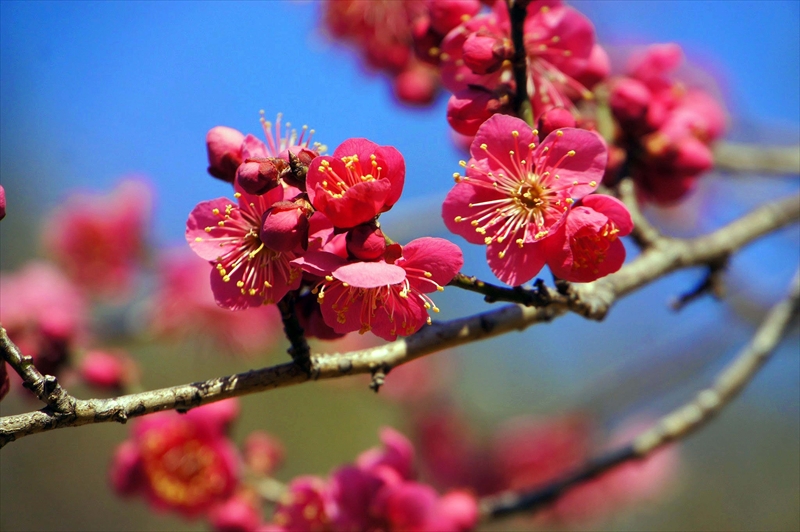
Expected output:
(713, 284)
(379, 377)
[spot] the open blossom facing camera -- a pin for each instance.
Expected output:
(246, 272)
(516, 194)
(360, 181)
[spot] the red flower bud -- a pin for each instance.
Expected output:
(468, 109)
(555, 118)
(629, 100)
(258, 176)
(484, 54)
(447, 14)
(263, 453)
(284, 227)
(366, 242)
(417, 85)
(224, 145)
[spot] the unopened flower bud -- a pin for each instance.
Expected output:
(224, 145)
(657, 61)
(263, 453)
(284, 227)
(107, 370)
(258, 176)
(237, 514)
(692, 157)
(468, 109)
(629, 100)
(366, 242)
(447, 14)
(2, 202)
(555, 118)
(484, 54)
(417, 85)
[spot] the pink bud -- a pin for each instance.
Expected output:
(126, 473)
(692, 157)
(237, 514)
(366, 242)
(447, 14)
(555, 118)
(657, 61)
(594, 69)
(416, 85)
(484, 54)
(284, 227)
(107, 370)
(460, 508)
(629, 100)
(258, 176)
(224, 145)
(2, 202)
(468, 109)
(263, 453)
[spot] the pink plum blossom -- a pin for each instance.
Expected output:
(224, 146)
(587, 246)
(515, 194)
(108, 369)
(99, 239)
(246, 272)
(387, 297)
(2, 202)
(44, 313)
(358, 182)
(183, 463)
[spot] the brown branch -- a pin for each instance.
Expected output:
(592, 300)
(517, 10)
(674, 426)
(299, 349)
(45, 387)
(734, 157)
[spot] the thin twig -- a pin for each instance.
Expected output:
(592, 300)
(734, 157)
(517, 10)
(674, 426)
(644, 233)
(299, 349)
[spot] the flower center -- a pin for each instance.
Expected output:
(530, 195)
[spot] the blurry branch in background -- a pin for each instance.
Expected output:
(734, 157)
(591, 300)
(644, 233)
(677, 424)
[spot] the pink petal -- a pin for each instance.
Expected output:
(578, 174)
(254, 148)
(355, 146)
(456, 204)
(437, 256)
(613, 208)
(202, 216)
(496, 133)
(520, 264)
(394, 169)
(370, 274)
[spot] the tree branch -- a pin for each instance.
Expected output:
(677, 424)
(734, 157)
(592, 300)
(517, 10)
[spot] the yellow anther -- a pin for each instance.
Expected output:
(435, 309)
(428, 274)
(487, 240)
(216, 212)
(440, 288)
(502, 254)
(325, 163)
(592, 183)
(462, 163)
(198, 239)
(240, 284)
(457, 219)
(226, 278)
(221, 223)
(569, 201)
(571, 153)
(329, 278)
(208, 229)
(484, 146)
(237, 195)
(515, 134)
(267, 285)
(574, 183)
(559, 133)
(252, 291)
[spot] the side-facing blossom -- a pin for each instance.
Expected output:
(246, 272)
(387, 297)
(587, 246)
(99, 239)
(180, 462)
(516, 193)
(2, 202)
(358, 182)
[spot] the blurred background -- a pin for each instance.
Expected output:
(91, 92)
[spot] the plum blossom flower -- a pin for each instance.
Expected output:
(516, 193)
(108, 369)
(44, 313)
(99, 239)
(360, 181)
(246, 272)
(587, 246)
(387, 297)
(184, 463)
(224, 147)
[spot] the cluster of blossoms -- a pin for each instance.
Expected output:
(529, 202)
(563, 63)
(665, 129)
(306, 224)
(378, 492)
(400, 38)
(187, 464)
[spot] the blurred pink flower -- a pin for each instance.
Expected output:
(184, 306)
(44, 313)
(99, 239)
(180, 462)
(108, 369)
